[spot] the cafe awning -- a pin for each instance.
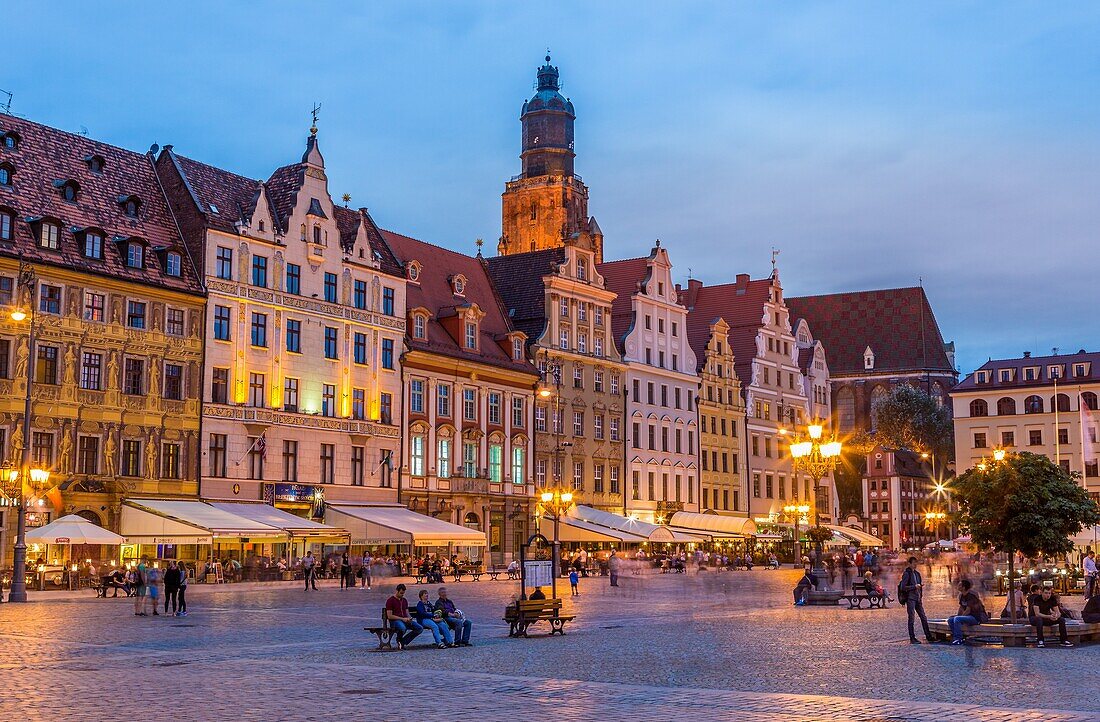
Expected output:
(648, 532)
(572, 529)
(184, 521)
(73, 529)
(379, 524)
(299, 528)
(714, 525)
(856, 535)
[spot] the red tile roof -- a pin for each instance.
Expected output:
(623, 278)
(519, 281)
(897, 323)
(1091, 359)
(739, 304)
(434, 292)
(45, 157)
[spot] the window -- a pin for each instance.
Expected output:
(224, 263)
(387, 300)
(443, 458)
(259, 271)
(578, 476)
(496, 452)
(255, 457)
(173, 382)
(471, 336)
(293, 335)
(328, 400)
(93, 245)
(540, 472)
(385, 408)
(635, 487)
(259, 329)
(330, 342)
(172, 264)
(1033, 405)
(219, 386)
(1006, 406)
(494, 407)
(174, 321)
(290, 395)
(443, 400)
(1088, 398)
(218, 455)
(293, 279)
(5, 173)
(1063, 436)
(256, 390)
(317, 237)
(135, 255)
(599, 315)
(359, 295)
(135, 314)
(582, 311)
(582, 342)
(540, 419)
(387, 353)
(979, 441)
(7, 224)
(578, 423)
(49, 300)
(328, 463)
(131, 206)
(330, 287)
(1060, 403)
(614, 428)
(416, 396)
(978, 407)
(87, 455)
(91, 370)
(221, 323)
(578, 377)
(517, 349)
(49, 235)
(418, 326)
(519, 465)
(615, 386)
(359, 348)
(358, 404)
(563, 338)
(469, 459)
(45, 371)
(519, 408)
(469, 404)
(597, 430)
(1035, 437)
(1008, 438)
(131, 458)
(95, 306)
(290, 461)
(357, 465)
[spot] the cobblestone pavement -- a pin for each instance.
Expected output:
(712, 646)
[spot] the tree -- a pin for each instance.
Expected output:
(910, 418)
(1024, 503)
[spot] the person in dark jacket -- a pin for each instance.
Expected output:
(454, 617)
(805, 584)
(428, 617)
(171, 587)
(346, 580)
(913, 585)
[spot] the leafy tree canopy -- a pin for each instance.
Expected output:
(910, 418)
(1024, 503)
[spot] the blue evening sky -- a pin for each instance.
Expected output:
(873, 143)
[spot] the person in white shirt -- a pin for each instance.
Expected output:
(1089, 567)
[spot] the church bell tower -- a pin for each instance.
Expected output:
(546, 205)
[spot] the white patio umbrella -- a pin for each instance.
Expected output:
(73, 529)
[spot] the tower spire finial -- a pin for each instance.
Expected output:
(316, 110)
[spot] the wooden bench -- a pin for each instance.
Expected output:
(525, 612)
(1016, 635)
(387, 635)
(865, 592)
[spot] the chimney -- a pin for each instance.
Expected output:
(742, 279)
(1027, 354)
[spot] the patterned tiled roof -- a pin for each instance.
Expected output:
(282, 188)
(739, 304)
(1065, 362)
(435, 293)
(518, 278)
(224, 198)
(897, 323)
(623, 278)
(45, 158)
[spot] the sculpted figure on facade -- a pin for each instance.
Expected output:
(69, 373)
(110, 462)
(242, 263)
(112, 370)
(65, 451)
(17, 444)
(151, 457)
(21, 355)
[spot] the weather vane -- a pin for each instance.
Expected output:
(775, 255)
(479, 243)
(316, 110)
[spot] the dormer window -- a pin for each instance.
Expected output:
(95, 163)
(11, 140)
(1054, 372)
(7, 170)
(582, 270)
(458, 284)
(983, 377)
(7, 225)
(470, 340)
(868, 359)
(91, 243)
(131, 205)
(135, 255)
(1079, 371)
(413, 271)
(49, 235)
(1005, 375)
(172, 263)
(419, 324)
(70, 189)
(517, 349)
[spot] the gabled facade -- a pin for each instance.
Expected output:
(559, 299)
(898, 488)
(304, 329)
(117, 307)
(468, 399)
(775, 390)
(662, 432)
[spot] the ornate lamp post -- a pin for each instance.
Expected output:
(556, 501)
(817, 457)
(14, 480)
(797, 512)
(933, 519)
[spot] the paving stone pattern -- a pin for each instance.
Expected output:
(699, 647)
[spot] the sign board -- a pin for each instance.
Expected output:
(538, 573)
(61, 540)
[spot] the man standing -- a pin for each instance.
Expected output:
(397, 612)
(1088, 565)
(613, 564)
(309, 571)
(455, 618)
(912, 585)
(346, 580)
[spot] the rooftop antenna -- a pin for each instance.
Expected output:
(7, 104)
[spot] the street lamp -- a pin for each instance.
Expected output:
(815, 456)
(797, 511)
(933, 519)
(556, 501)
(14, 480)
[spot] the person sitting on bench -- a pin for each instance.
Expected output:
(806, 583)
(1018, 599)
(971, 611)
(429, 618)
(874, 587)
(397, 612)
(116, 580)
(537, 594)
(454, 617)
(1045, 611)
(1090, 614)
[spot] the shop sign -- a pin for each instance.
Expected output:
(61, 540)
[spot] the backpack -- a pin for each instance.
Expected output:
(903, 594)
(139, 577)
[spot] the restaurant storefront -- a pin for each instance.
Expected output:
(385, 529)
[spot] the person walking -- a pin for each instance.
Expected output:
(309, 570)
(1088, 565)
(912, 586)
(613, 565)
(152, 584)
(368, 567)
(574, 579)
(181, 594)
(140, 589)
(346, 580)
(171, 588)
